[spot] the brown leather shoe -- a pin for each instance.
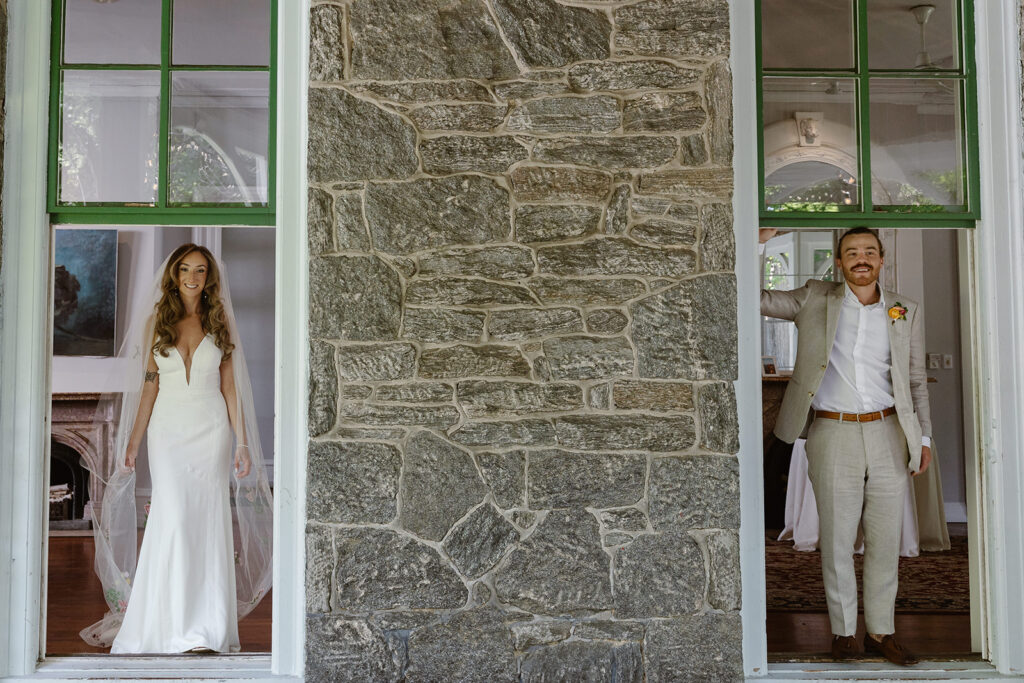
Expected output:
(845, 647)
(890, 649)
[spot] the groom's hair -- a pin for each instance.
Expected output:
(861, 230)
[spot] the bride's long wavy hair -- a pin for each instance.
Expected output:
(170, 309)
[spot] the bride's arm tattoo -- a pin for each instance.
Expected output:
(151, 376)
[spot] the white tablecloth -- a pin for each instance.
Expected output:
(802, 513)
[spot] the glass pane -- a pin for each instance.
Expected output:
(219, 135)
(810, 144)
(916, 131)
(123, 32)
(912, 35)
(807, 34)
(221, 32)
(110, 127)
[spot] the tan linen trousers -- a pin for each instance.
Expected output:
(859, 474)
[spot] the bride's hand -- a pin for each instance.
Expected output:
(129, 458)
(243, 463)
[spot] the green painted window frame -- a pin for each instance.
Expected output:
(862, 74)
(122, 213)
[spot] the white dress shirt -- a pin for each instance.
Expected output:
(858, 377)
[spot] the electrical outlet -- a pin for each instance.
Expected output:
(934, 361)
(947, 361)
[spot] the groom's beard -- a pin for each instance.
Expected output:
(866, 276)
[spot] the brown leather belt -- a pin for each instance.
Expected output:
(855, 417)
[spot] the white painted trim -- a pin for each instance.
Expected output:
(291, 341)
(748, 386)
(999, 270)
(24, 367)
(24, 341)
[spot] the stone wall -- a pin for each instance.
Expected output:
(523, 339)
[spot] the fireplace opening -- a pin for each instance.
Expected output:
(69, 488)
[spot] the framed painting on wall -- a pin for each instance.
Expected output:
(84, 292)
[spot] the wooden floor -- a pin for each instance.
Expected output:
(75, 600)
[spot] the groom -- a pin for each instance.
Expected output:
(859, 393)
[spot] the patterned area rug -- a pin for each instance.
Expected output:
(931, 582)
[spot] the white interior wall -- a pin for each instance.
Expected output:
(926, 265)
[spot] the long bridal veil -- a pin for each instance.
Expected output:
(115, 517)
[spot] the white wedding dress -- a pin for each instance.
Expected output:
(183, 595)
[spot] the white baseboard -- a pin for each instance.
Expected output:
(956, 512)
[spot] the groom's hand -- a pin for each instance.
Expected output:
(926, 459)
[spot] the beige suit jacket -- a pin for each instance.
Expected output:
(815, 310)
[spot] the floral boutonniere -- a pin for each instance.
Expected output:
(897, 312)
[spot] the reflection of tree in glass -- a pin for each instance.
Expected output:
(201, 172)
(79, 146)
(824, 196)
(776, 270)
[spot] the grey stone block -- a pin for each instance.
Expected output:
(699, 28)
(473, 646)
(541, 223)
(356, 298)
(561, 479)
(482, 398)
(719, 93)
(560, 569)
(616, 256)
(419, 92)
(527, 634)
(344, 649)
(498, 263)
(695, 492)
(640, 74)
(320, 221)
(457, 153)
(457, 40)
(560, 183)
(458, 117)
(617, 218)
(478, 542)
(580, 357)
(719, 424)
(663, 112)
(607, 321)
(595, 114)
(704, 647)
(528, 90)
(584, 661)
(389, 414)
(326, 43)
(688, 331)
(484, 360)
(454, 291)
(655, 396)
(505, 474)
(717, 244)
(634, 151)
(547, 34)
(378, 569)
(319, 567)
(693, 150)
(724, 585)
(660, 434)
(601, 629)
(439, 486)
(519, 324)
(624, 519)
(659, 575)
(352, 482)
(323, 388)
(436, 212)
(442, 325)
(349, 230)
(666, 232)
(705, 182)
(376, 362)
(416, 392)
(351, 139)
(498, 434)
(582, 292)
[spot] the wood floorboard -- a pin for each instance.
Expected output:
(75, 600)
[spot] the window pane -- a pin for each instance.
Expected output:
(807, 34)
(124, 32)
(221, 32)
(810, 144)
(912, 35)
(219, 137)
(110, 126)
(916, 131)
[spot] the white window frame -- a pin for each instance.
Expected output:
(995, 256)
(25, 380)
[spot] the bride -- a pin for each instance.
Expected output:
(205, 556)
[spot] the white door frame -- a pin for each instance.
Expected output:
(25, 380)
(997, 283)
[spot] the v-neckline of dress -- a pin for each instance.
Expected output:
(191, 355)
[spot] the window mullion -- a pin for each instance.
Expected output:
(165, 103)
(272, 112)
(864, 107)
